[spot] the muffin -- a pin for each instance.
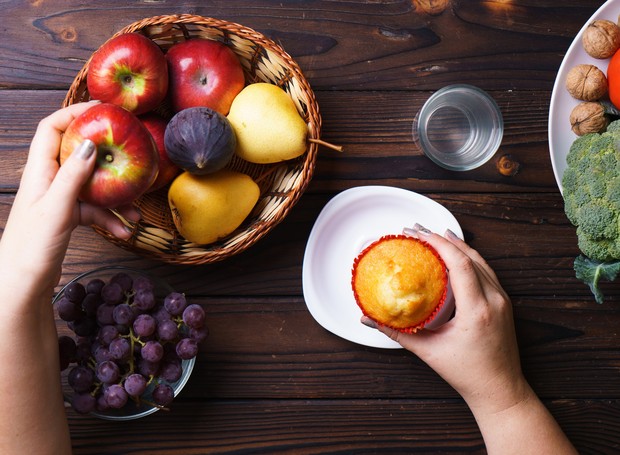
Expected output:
(400, 282)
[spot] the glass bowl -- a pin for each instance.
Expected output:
(135, 408)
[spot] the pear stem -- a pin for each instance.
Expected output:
(338, 148)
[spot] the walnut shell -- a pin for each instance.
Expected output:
(588, 117)
(601, 39)
(586, 82)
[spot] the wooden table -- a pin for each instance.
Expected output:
(270, 379)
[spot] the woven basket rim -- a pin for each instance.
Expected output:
(176, 250)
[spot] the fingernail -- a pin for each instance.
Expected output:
(85, 149)
(410, 232)
(421, 229)
(368, 322)
(452, 235)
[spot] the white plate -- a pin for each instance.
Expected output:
(562, 103)
(348, 223)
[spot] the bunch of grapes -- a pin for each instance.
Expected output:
(128, 345)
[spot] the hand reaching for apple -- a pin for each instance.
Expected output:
(46, 208)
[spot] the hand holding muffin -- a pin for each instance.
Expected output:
(476, 353)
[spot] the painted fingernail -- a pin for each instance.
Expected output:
(85, 149)
(410, 232)
(421, 229)
(451, 235)
(368, 322)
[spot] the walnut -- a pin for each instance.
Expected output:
(588, 117)
(601, 39)
(586, 82)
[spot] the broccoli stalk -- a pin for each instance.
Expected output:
(590, 272)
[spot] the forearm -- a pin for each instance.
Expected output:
(34, 419)
(526, 427)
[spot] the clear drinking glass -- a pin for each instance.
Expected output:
(460, 127)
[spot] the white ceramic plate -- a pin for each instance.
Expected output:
(349, 222)
(560, 134)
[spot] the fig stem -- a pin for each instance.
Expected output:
(338, 148)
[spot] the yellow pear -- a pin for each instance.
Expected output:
(206, 208)
(267, 125)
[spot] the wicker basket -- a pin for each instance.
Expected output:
(281, 184)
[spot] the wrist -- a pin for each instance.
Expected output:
(499, 395)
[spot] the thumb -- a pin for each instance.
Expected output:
(73, 173)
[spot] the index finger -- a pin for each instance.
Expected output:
(462, 269)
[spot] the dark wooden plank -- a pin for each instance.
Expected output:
(375, 130)
(341, 426)
(341, 45)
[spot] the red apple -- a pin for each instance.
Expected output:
(156, 125)
(203, 73)
(129, 70)
(127, 160)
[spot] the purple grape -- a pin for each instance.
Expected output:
(68, 310)
(163, 394)
(102, 354)
(81, 379)
(105, 314)
(135, 384)
(144, 325)
(124, 280)
(171, 371)
(94, 286)
(167, 330)
(90, 304)
(175, 303)
(160, 314)
(106, 334)
(120, 349)
(83, 402)
(115, 396)
(67, 351)
(144, 300)
(194, 316)
(108, 372)
(112, 294)
(123, 314)
(75, 292)
(102, 403)
(148, 369)
(152, 351)
(187, 348)
(200, 334)
(142, 283)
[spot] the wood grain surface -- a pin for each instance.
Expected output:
(270, 379)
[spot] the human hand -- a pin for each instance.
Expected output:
(476, 351)
(46, 209)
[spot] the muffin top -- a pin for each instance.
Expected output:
(400, 282)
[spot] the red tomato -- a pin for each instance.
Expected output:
(613, 79)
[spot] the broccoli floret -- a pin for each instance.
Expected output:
(591, 191)
(614, 127)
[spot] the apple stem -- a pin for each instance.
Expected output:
(338, 148)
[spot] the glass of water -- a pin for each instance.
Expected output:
(460, 127)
